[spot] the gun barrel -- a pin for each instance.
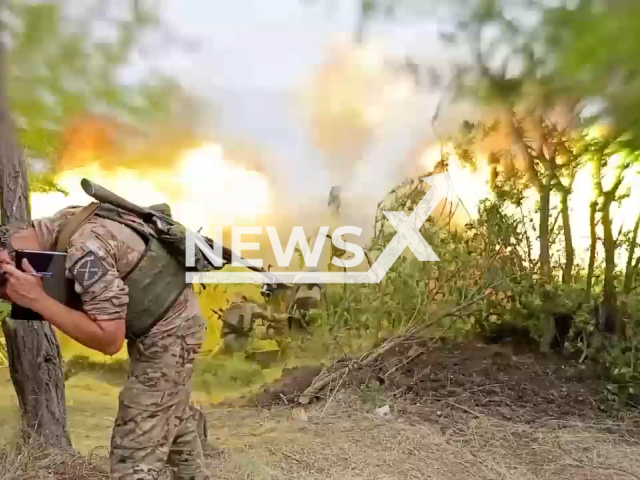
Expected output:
(103, 195)
(228, 257)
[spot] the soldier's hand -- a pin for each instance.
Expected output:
(23, 288)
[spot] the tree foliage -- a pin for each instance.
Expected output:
(62, 60)
(68, 59)
(594, 48)
(541, 69)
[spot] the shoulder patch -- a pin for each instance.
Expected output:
(88, 269)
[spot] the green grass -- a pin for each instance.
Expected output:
(92, 395)
(91, 410)
(94, 382)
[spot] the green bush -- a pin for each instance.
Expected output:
(222, 374)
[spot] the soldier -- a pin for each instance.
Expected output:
(238, 321)
(154, 427)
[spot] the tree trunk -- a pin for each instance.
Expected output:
(609, 253)
(592, 248)
(35, 361)
(545, 266)
(35, 365)
(610, 321)
(629, 272)
(545, 209)
(567, 274)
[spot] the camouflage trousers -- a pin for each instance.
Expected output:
(155, 428)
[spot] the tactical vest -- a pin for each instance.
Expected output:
(155, 282)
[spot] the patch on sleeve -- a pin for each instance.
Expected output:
(88, 269)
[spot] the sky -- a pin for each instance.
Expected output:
(253, 44)
(250, 58)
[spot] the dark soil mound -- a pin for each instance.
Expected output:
(285, 391)
(439, 381)
(490, 381)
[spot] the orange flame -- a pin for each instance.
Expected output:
(202, 187)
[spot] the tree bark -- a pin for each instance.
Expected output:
(545, 265)
(610, 320)
(567, 274)
(609, 252)
(592, 248)
(35, 360)
(545, 211)
(543, 186)
(35, 366)
(629, 273)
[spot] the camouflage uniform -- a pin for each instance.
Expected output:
(154, 425)
(238, 321)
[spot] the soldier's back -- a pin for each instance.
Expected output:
(119, 241)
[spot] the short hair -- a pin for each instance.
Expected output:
(5, 238)
(7, 230)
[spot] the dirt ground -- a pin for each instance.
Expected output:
(460, 411)
(348, 440)
(489, 380)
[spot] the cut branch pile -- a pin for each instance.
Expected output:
(340, 370)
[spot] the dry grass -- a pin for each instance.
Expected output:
(350, 442)
(347, 440)
(34, 463)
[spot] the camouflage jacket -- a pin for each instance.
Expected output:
(99, 255)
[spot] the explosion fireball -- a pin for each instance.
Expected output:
(471, 187)
(203, 188)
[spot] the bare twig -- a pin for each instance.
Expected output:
(405, 362)
(368, 358)
(334, 393)
(611, 469)
(468, 410)
(415, 313)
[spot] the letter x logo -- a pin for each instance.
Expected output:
(407, 235)
(88, 269)
(408, 227)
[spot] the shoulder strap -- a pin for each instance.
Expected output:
(110, 212)
(72, 224)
